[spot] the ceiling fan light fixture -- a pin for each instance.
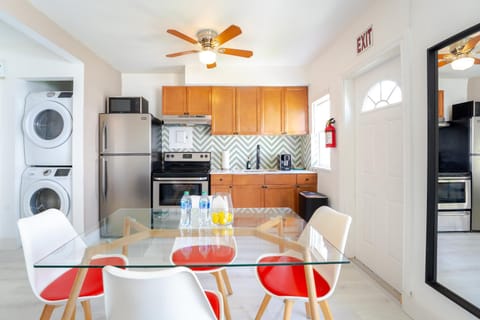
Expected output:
(462, 63)
(207, 56)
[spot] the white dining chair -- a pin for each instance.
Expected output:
(288, 282)
(40, 235)
(174, 294)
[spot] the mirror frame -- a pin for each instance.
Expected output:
(432, 172)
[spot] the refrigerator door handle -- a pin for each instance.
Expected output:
(105, 178)
(105, 140)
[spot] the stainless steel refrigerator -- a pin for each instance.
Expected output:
(130, 148)
(475, 164)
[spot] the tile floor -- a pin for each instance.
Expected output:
(357, 296)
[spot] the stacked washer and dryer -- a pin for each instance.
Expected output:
(47, 131)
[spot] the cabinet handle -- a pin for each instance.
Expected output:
(307, 179)
(185, 113)
(221, 179)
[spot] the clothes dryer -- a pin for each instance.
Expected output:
(47, 128)
(45, 188)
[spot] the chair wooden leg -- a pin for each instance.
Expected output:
(87, 309)
(73, 314)
(227, 281)
(288, 309)
(47, 311)
(263, 306)
(307, 310)
(221, 288)
(326, 310)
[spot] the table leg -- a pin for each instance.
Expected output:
(312, 292)
(74, 293)
(227, 281)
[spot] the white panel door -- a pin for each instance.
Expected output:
(379, 178)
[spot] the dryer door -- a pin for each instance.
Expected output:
(48, 124)
(43, 195)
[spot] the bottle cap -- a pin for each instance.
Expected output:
(204, 193)
(186, 193)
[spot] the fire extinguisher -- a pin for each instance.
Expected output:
(330, 135)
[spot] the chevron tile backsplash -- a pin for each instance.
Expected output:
(242, 147)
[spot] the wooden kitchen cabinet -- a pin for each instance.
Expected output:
(279, 190)
(264, 190)
(223, 110)
(441, 104)
(248, 191)
(220, 183)
(247, 110)
(284, 110)
(235, 110)
(296, 110)
(182, 100)
(271, 118)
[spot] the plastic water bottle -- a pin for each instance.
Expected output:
(185, 210)
(204, 205)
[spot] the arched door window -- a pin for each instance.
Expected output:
(382, 94)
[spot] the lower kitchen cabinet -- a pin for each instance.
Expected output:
(264, 190)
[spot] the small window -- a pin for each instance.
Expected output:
(382, 94)
(320, 115)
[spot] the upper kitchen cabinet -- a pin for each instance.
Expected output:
(223, 110)
(271, 105)
(296, 110)
(284, 110)
(247, 110)
(235, 110)
(181, 100)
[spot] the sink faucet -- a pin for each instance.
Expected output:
(258, 157)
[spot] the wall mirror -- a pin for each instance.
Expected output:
(453, 201)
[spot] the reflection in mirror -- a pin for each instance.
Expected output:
(453, 237)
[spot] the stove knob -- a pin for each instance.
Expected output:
(201, 155)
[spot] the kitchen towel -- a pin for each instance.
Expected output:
(225, 160)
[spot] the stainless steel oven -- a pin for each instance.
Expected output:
(454, 192)
(454, 201)
(181, 171)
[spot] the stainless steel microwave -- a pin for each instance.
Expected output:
(127, 105)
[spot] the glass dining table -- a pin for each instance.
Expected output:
(153, 239)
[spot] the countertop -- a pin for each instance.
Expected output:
(259, 171)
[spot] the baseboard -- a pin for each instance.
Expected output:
(385, 285)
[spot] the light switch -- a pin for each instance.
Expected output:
(2, 68)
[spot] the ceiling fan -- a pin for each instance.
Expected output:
(210, 42)
(460, 54)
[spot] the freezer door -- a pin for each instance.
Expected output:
(124, 183)
(125, 133)
(475, 135)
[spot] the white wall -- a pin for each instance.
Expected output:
(24, 60)
(455, 92)
(149, 85)
(473, 90)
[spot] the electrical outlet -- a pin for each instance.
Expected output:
(2, 68)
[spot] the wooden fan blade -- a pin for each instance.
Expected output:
(470, 44)
(236, 52)
(211, 65)
(228, 34)
(181, 36)
(442, 63)
(177, 54)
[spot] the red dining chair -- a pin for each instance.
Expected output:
(40, 235)
(173, 294)
(289, 282)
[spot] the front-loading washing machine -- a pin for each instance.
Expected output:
(45, 188)
(47, 128)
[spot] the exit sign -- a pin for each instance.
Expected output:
(365, 40)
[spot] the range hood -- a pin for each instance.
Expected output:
(186, 120)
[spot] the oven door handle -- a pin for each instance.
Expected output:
(181, 179)
(453, 180)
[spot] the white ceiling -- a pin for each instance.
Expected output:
(131, 34)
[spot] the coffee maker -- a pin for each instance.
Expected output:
(285, 160)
